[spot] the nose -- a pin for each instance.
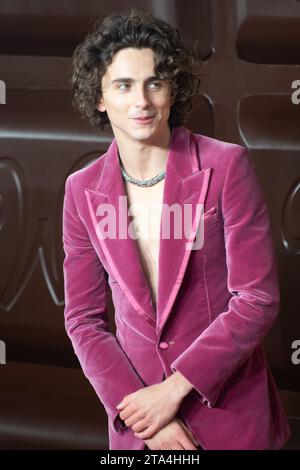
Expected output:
(141, 97)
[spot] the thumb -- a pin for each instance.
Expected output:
(189, 433)
(193, 438)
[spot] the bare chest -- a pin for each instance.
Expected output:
(145, 205)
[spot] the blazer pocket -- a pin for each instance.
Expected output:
(208, 230)
(210, 219)
(211, 212)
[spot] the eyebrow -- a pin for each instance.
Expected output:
(128, 79)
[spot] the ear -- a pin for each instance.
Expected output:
(101, 107)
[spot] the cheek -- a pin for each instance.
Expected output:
(115, 100)
(163, 109)
(161, 100)
(166, 102)
(117, 109)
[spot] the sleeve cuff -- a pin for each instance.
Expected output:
(118, 424)
(203, 399)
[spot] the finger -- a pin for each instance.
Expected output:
(147, 433)
(188, 439)
(190, 434)
(123, 403)
(187, 443)
(135, 420)
(178, 446)
(127, 413)
(140, 425)
(194, 440)
(121, 406)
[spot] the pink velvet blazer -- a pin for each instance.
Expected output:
(215, 303)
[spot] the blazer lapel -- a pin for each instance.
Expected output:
(120, 249)
(184, 184)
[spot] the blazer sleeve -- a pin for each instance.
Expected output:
(252, 279)
(86, 321)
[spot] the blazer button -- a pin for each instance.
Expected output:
(164, 345)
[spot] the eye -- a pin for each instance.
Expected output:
(156, 84)
(123, 85)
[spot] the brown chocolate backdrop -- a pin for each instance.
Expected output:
(251, 57)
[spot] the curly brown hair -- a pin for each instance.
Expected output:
(138, 29)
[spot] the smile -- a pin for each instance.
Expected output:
(144, 120)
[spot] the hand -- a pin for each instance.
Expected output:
(174, 436)
(150, 408)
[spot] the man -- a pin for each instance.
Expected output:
(186, 368)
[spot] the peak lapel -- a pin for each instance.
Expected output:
(119, 247)
(185, 183)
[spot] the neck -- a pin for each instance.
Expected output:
(143, 161)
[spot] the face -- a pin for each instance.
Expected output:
(130, 90)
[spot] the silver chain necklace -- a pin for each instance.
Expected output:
(147, 182)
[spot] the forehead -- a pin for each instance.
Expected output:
(131, 62)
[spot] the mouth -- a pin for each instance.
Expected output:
(144, 120)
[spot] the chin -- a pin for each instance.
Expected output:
(142, 134)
